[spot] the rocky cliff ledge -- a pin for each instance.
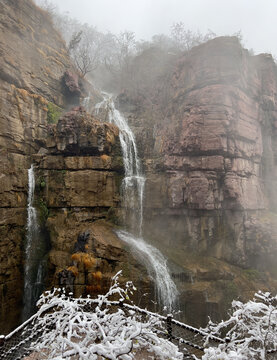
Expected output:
(209, 153)
(33, 61)
(209, 147)
(78, 185)
(77, 164)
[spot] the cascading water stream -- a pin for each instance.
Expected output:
(133, 194)
(156, 266)
(134, 181)
(31, 256)
(86, 103)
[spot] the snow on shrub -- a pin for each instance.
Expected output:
(72, 332)
(251, 329)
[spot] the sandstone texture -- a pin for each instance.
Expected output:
(209, 150)
(37, 85)
(212, 156)
(78, 189)
(33, 60)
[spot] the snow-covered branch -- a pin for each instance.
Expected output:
(251, 329)
(108, 332)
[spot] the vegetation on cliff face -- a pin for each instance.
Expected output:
(111, 60)
(203, 127)
(53, 114)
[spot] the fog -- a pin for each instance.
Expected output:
(254, 18)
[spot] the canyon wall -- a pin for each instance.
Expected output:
(78, 166)
(208, 139)
(78, 189)
(33, 61)
(209, 154)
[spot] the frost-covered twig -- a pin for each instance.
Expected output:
(113, 334)
(252, 330)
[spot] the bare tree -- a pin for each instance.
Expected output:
(47, 6)
(185, 39)
(75, 40)
(85, 50)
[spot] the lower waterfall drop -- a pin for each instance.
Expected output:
(156, 266)
(133, 194)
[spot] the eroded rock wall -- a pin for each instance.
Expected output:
(77, 165)
(78, 183)
(209, 158)
(209, 150)
(214, 149)
(33, 61)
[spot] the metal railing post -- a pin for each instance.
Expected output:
(169, 326)
(2, 340)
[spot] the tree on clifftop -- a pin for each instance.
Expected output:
(184, 39)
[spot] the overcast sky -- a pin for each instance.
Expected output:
(256, 19)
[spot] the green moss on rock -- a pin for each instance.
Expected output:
(53, 114)
(252, 274)
(43, 211)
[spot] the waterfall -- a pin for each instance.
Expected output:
(132, 195)
(134, 181)
(31, 254)
(86, 103)
(156, 266)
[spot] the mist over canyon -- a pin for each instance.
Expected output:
(174, 174)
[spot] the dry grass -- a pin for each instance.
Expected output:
(73, 269)
(110, 137)
(105, 158)
(84, 258)
(26, 95)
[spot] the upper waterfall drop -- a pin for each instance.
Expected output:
(133, 194)
(134, 181)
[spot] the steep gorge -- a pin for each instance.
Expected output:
(33, 60)
(209, 149)
(208, 154)
(77, 164)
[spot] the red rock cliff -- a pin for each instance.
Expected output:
(210, 156)
(32, 63)
(77, 163)
(214, 150)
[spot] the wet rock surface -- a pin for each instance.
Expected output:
(78, 183)
(33, 59)
(209, 152)
(212, 155)
(33, 96)
(79, 133)
(209, 158)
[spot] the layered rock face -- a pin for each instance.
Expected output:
(33, 61)
(77, 164)
(78, 183)
(209, 156)
(210, 151)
